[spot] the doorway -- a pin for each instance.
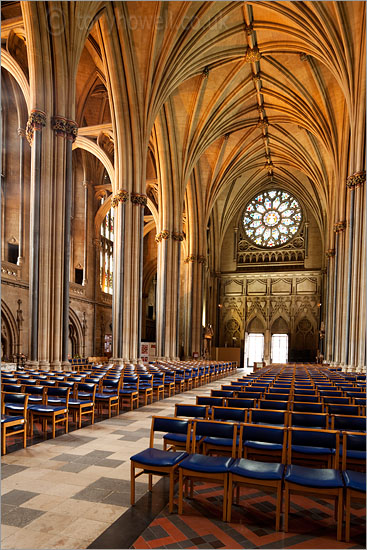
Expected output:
(279, 348)
(255, 348)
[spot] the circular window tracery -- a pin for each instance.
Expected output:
(272, 218)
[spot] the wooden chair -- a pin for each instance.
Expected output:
(355, 482)
(175, 441)
(83, 407)
(159, 462)
(57, 414)
(321, 482)
(13, 424)
(198, 467)
(146, 387)
(266, 476)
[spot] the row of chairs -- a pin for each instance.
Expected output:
(194, 463)
(272, 417)
(218, 397)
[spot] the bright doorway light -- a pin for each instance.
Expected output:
(255, 348)
(279, 348)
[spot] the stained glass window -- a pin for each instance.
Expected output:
(106, 253)
(272, 218)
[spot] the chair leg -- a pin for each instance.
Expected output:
(53, 427)
(278, 506)
(229, 498)
(347, 517)
(286, 508)
(225, 495)
(150, 482)
(171, 488)
(132, 484)
(67, 423)
(340, 515)
(3, 440)
(180, 491)
(25, 436)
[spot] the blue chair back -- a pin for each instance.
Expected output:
(350, 410)
(240, 403)
(211, 401)
(18, 398)
(348, 423)
(249, 395)
(14, 388)
(265, 434)
(314, 438)
(195, 411)
(273, 405)
(309, 420)
(222, 393)
(58, 392)
(34, 390)
(213, 428)
(170, 425)
(260, 416)
(306, 398)
(300, 406)
(277, 396)
(229, 414)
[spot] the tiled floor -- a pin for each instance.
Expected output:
(65, 492)
(73, 492)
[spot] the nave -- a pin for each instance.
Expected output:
(74, 492)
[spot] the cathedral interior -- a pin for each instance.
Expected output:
(183, 180)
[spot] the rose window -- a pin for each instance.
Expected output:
(272, 218)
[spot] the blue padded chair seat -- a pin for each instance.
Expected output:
(355, 480)
(263, 445)
(314, 477)
(106, 396)
(180, 438)
(9, 418)
(54, 401)
(78, 402)
(359, 455)
(257, 470)
(157, 457)
(45, 408)
(128, 391)
(207, 464)
(313, 450)
(85, 394)
(15, 407)
(220, 441)
(35, 399)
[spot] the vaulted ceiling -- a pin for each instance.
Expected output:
(251, 93)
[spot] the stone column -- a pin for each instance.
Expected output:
(168, 288)
(36, 121)
(85, 252)
(356, 306)
(71, 131)
(330, 254)
(235, 237)
(22, 135)
(339, 228)
(118, 203)
(139, 202)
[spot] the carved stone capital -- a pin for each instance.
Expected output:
(21, 132)
(138, 200)
(330, 253)
(206, 72)
(59, 125)
(71, 130)
(177, 236)
(121, 196)
(252, 55)
(36, 121)
(356, 180)
(163, 235)
(340, 226)
(190, 259)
